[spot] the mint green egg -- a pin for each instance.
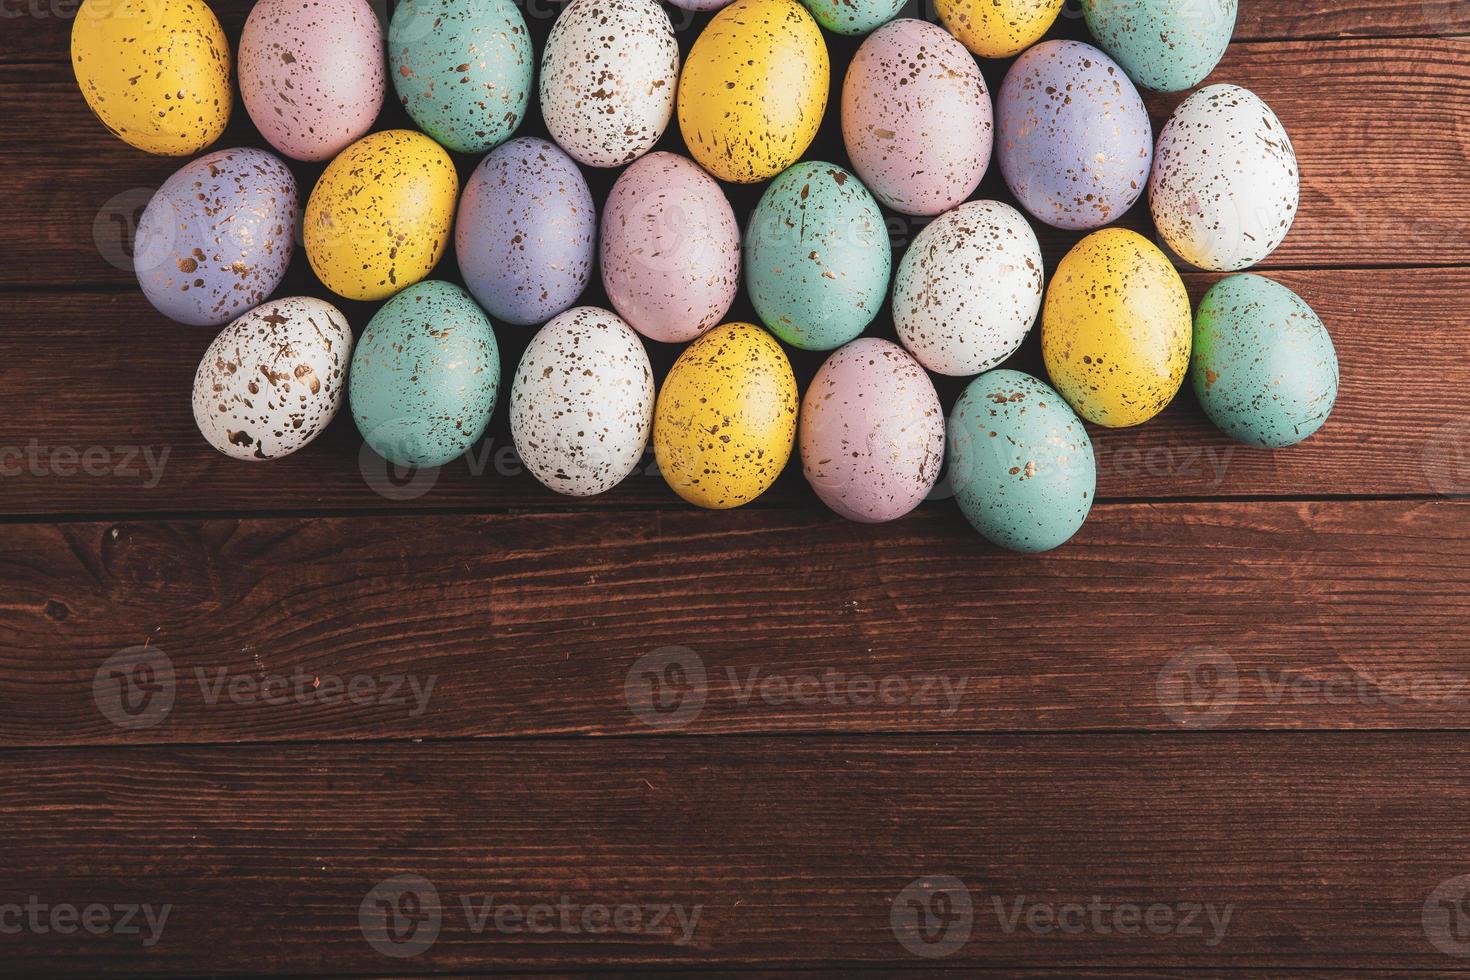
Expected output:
(1263, 365)
(1020, 462)
(1165, 45)
(853, 16)
(462, 69)
(425, 376)
(817, 257)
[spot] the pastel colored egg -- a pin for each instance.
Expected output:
(274, 379)
(1021, 463)
(155, 72)
(725, 422)
(916, 118)
(1264, 366)
(1225, 185)
(853, 16)
(425, 376)
(1115, 330)
(998, 28)
(462, 69)
(217, 237)
(872, 432)
(581, 405)
(607, 79)
(379, 217)
(699, 5)
(1075, 141)
(1165, 45)
(817, 257)
(670, 249)
(312, 75)
(527, 233)
(968, 289)
(754, 90)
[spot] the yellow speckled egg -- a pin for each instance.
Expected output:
(379, 218)
(998, 28)
(1116, 329)
(754, 89)
(726, 417)
(156, 72)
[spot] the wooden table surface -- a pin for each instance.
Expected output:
(334, 720)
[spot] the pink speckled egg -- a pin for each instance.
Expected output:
(872, 432)
(312, 74)
(916, 118)
(670, 249)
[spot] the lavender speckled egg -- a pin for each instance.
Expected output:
(968, 289)
(608, 77)
(916, 118)
(425, 376)
(312, 74)
(1225, 186)
(274, 379)
(581, 405)
(216, 239)
(1075, 140)
(871, 432)
(670, 249)
(462, 69)
(700, 5)
(1021, 463)
(527, 234)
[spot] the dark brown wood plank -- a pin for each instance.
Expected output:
(1268, 615)
(1323, 848)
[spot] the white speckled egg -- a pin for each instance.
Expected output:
(872, 432)
(581, 405)
(1225, 184)
(608, 78)
(968, 289)
(273, 379)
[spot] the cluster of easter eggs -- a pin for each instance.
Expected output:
(1067, 127)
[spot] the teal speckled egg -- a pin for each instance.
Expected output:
(1021, 462)
(462, 69)
(1263, 364)
(853, 17)
(425, 376)
(1165, 45)
(817, 257)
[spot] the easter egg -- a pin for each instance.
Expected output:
(998, 28)
(1075, 141)
(462, 69)
(670, 249)
(725, 421)
(378, 219)
(1115, 330)
(607, 79)
(274, 379)
(817, 257)
(968, 289)
(312, 74)
(754, 90)
(1165, 45)
(217, 237)
(1225, 184)
(155, 72)
(699, 5)
(916, 118)
(425, 376)
(872, 432)
(1263, 366)
(853, 16)
(1021, 463)
(527, 232)
(581, 405)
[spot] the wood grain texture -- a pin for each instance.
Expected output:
(1323, 847)
(1268, 615)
